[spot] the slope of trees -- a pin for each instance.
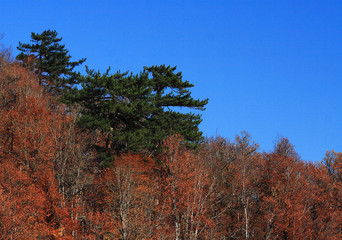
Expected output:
(53, 186)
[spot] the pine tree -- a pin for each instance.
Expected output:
(136, 112)
(170, 91)
(50, 61)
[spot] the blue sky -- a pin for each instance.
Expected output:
(268, 67)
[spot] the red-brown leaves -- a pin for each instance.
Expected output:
(52, 187)
(187, 191)
(130, 197)
(27, 151)
(284, 203)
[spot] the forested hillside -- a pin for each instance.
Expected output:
(106, 156)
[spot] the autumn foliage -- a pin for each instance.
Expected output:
(53, 184)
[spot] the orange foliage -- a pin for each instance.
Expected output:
(187, 191)
(28, 149)
(130, 197)
(284, 201)
(52, 187)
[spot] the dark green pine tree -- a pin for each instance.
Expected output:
(50, 61)
(169, 93)
(136, 112)
(117, 105)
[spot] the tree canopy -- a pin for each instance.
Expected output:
(52, 185)
(138, 111)
(50, 60)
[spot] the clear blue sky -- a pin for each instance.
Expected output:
(268, 67)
